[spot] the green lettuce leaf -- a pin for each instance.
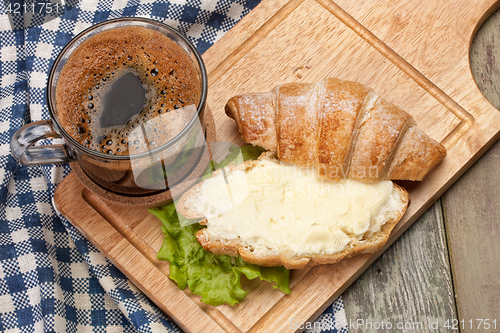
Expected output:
(216, 278)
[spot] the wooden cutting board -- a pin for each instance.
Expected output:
(413, 53)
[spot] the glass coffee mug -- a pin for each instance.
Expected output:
(148, 168)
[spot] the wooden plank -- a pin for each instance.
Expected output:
(472, 205)
(472, 210)
(410, 285)
(484, 56)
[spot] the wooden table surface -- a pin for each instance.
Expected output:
(446, 267)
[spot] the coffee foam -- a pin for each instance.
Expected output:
(167, 74)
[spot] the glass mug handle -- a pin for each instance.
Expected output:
(21, 145)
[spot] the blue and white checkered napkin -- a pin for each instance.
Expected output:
(51, 278)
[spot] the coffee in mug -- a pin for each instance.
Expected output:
(121, 78)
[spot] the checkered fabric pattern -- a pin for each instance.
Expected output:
(51, 278)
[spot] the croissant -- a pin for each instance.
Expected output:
(342, 128)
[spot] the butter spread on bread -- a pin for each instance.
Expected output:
(275, 213)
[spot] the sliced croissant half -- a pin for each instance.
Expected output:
(340, 127)
(323, 191)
